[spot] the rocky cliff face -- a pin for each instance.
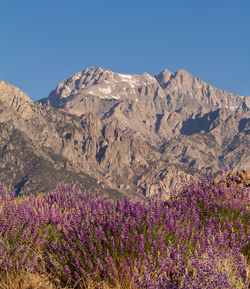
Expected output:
(184, 89)
(129, 134)
(153, 107)
(32, 147)
(176, 89)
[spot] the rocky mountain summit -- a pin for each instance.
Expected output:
(178, 90)
(153, 107)
(137, 135)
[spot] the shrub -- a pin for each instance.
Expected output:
(199, 240)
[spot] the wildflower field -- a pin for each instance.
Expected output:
(70, 239)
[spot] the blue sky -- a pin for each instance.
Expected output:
(45, 41)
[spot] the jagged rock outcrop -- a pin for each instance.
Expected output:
(182, 88)
(185, 119)
(129, 134)
(153, 107)
(178, 90)
(241, 177)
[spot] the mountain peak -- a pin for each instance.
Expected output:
(163, 77)
(95, 69)
(5, 84)
(183, 71)
(96, 84)
(184, 74)
(131, 133)
(101, 83)
(10, 94)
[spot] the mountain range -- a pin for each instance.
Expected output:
(133, 135)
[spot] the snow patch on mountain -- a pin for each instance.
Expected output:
(105, 90)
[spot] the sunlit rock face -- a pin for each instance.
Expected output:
(137, 135)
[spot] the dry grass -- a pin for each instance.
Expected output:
(26, 280)
(34, 280)
(234, 279)
(228, 267)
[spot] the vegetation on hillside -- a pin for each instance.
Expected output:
(70, 239)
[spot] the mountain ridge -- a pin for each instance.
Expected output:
(163, 78)
(134, 134)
